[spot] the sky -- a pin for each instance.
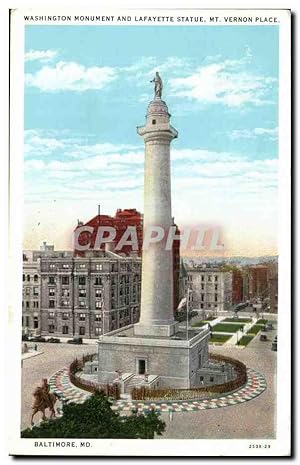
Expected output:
(87, 89)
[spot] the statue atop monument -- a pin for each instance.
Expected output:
(158, 85)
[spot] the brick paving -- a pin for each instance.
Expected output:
(67, 392)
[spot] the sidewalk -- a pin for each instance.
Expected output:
(31, 354)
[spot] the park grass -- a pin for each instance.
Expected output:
(219, 338)
(198, 324)
(255, 329)
(261, 322)
(237, 320)
(227, 328)
(244, 341)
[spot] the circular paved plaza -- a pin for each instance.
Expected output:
(60, 384)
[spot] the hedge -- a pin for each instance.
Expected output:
(221, 338)
(237, 320)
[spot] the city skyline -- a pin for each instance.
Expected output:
(83, 149)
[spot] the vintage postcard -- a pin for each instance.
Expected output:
(150, 232)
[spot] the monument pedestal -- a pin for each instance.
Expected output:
(159, 330)
(173, 361)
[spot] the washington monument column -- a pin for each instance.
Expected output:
(157, 318)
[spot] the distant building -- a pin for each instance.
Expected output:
(237, 286)
(31, 303)
(211, 288)
(274, 294)
(89, 296)
(120, 221)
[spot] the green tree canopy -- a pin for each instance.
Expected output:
(95, 419)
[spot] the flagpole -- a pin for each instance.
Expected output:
(187, 314)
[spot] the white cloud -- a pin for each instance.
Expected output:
(270, 133)
(40, 55)
(227, 82)
(70, 76)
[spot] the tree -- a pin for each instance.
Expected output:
(95, 419)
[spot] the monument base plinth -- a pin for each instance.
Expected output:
(167, 330)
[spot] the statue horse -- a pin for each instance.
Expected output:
(43, 399)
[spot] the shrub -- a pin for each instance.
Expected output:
(95, 419)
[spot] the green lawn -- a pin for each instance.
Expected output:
(255, 329)
(219, 338)
(227, 328)
(261, 322)
(244, 341)
(237, 320)
(198, 324)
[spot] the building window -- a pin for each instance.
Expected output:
(65, 265)
(27, 291)
(35, 304)
(81, 265)
(216, 287)
(202, 297)
(201, 305)
(28, 277)
(35, 278)
(27, 304)
(99, 267)
(65, 280)
(98, 281)
(65, 316)
(35, 291)
(97, 331)
(35, 322)
(65, 329)
(202, 277)
(65, 303)
(51, 315)
(211, 379)
(27, 321)
(201, 378)
(209, 277)
(82, 280)
(52, 266)
(51, 280)
(216, 278)
(154, 121)
(65, 292)
(51, 292)
(23, 277)
(202, 287)
(98, 317)
(51, 303)
(98, 293)
(81, 316)
(81, 330)
(51, 328)
(82, 303)
(216, 297)
(82, 293)
(98, 304)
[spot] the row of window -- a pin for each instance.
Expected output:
(82, 316)
(35, 304)
(203, 297)
(27, 278)
(81, 292)
(209, 278)
(65, 330)
(81, 303)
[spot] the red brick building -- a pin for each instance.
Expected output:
(120, 221)
(237, 287)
